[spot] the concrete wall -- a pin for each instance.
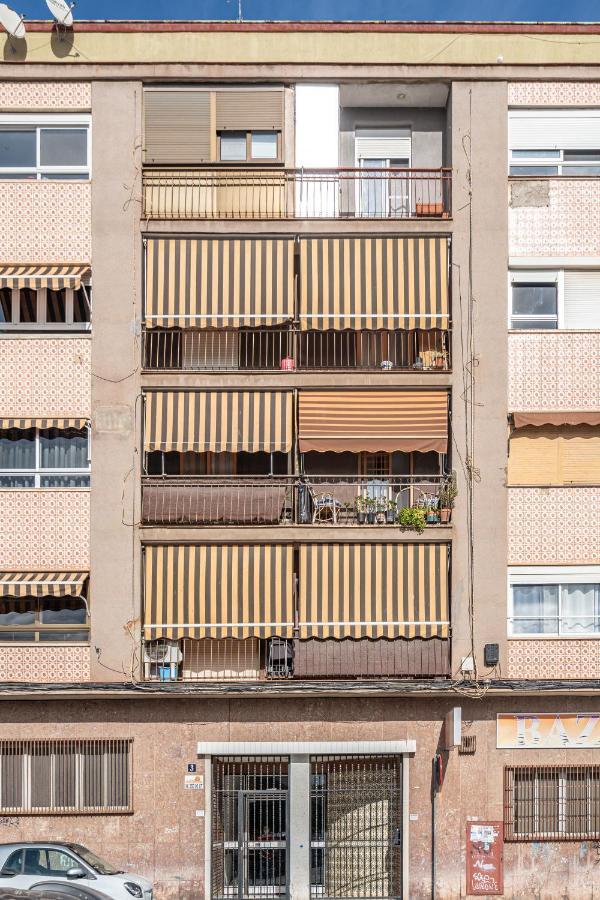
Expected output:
(427, 126)
(45, 376)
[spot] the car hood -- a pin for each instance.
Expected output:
(136, 879)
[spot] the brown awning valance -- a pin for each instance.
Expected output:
(43, 423)
(218, 421)
(373, 421)
(373, 590)
(48, 276)
(218, 590)
(42, 584)
(219, 282)
(382, 282)
(553, 417)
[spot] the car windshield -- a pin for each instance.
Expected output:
(103, 868)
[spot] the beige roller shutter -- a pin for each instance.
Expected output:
(580, 452)
(250, 110)
(554, 455)
(176, 126)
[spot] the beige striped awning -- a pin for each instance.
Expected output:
(373, 590)
(218, 590)
(379, 282)
(373, 421)
(219, 282)
(218, 421)
(557, 417)
(53, 277)
(43, 423)
(42, 584)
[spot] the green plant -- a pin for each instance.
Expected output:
(448, 492)
(361, 504)
(371, 504)
(413, 517)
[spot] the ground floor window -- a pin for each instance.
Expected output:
(551, 802)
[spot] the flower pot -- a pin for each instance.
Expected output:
(432, 519)
(445, 515)
(370, 518)
(361, 518)
(390, 516)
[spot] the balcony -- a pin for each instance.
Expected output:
(316, 500)
(334, 193)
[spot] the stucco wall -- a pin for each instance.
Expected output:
(45, 377)
(556, 525)
(45, 530)
(553, 659)
(554, 217)
(45, 664)
(553, 370)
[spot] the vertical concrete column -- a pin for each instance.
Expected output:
(299, 838)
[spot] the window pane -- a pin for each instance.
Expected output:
(581, 156)
(534, 170)
(579, 612)
(63, 449)
(5, 304)
(18, 612)
(63, 147)
(535, 609)
(534, 299)
(264, 145)
(581, 170)
(534, 323)
(12, 768)
(62, 176)
(17, 481)
(17, 148)
(81, 306)
(535, 154)
(64, 481)
(27, 305)
(233, 147)
(63, 611)
(56, 306)
(17, 448)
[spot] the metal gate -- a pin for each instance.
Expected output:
(249, 856)
(356, 827)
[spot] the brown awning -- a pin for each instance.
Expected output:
(42, 584)
(373, 421)
(382, 282)
(48, 276)
(43, 423)
(373, 590)
(553, 417)
(218, 590)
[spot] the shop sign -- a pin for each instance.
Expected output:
(194, 782)
(548, 731)
(485, 859)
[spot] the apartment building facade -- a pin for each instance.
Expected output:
(299, 466)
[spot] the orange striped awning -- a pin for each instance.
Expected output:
(42, 584)
(373, 421)
(53, 277)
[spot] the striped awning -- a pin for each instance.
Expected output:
(219, 282)
(43, 423)
(218, 590)
(41, 584)
(381, 282)
(373, 590)
(53, 277)
(557, 417)
(218, 421)
(373, 421)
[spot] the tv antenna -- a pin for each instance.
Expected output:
(61, 11)
(12, 22)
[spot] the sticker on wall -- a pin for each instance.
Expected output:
(194, 782)
(485, 859)
(548, 731)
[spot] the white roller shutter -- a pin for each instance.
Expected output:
(582, 299)
(383, 143)
(554, 129)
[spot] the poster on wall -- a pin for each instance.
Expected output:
(485, 859)
(548, 731)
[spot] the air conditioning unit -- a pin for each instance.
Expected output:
(280, 658)
(162, 659)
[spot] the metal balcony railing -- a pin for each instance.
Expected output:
(333, 500)
(272, 349)
(341, 193)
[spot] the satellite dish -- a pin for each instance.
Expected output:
(61, 11)
(11, 21)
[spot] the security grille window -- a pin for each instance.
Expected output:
(551, 803)
(249, 146)
(249, 855)
(534, 305)
(571, 610)
(45, 309)
(45, 147)
(44, 457)
(356, 826)
(65, 776)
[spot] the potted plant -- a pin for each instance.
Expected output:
(391, 512)
(413, 517)
(447, 496)
(371, 510)
(432, 516)
(361, 509)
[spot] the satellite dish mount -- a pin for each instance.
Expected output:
(12, 23)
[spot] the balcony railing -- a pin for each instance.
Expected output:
(342, 193)
(328, 500)
(287, 348)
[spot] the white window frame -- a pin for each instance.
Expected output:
(39, 122)
(42, 325)
(535, 161)
(538, 276)
(550, 575)
(38, 472)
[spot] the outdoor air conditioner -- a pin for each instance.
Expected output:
(162, 658)
(280, 658)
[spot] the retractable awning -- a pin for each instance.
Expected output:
(553, 417)
(43, 423)
(373, 590)
(41, 584)
(53, 277)
(218, 421)
(219, 282)
(373, 421)
(218, 590)
(383, 282)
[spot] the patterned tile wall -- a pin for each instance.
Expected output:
(45, 665)
(45, 377)
(566, 224)
(558, 525)
(44, 530)
(46, 96)
(554, 93)
(553, 659)
(45, 222)
(553, 370)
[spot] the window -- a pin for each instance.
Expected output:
(554, 142)
(42, 619)
(48, 861)
(551, 299)
(43, 147)
(534, 305)
(45, 457)
(551, 803)
(58, 776)
(555, 162)
(253, 146)
(45, 309)
(545, 604)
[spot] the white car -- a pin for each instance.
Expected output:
(24, 865)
